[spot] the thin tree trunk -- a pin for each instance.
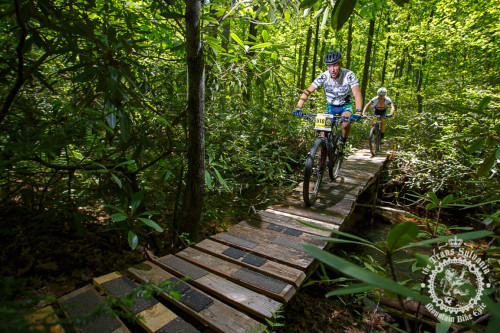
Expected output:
(386, 54)
(420, 74)
(349, 45)
(299, 63)
(306, 59)
(195, 182)
(368, 53)
(20, 65)
(316, 41)
(323, 45)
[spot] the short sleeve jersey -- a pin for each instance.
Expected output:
(339, 91)
(387, 101)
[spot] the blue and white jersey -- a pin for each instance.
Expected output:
(339, 91)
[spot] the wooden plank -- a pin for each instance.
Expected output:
(82, 302)
(45, 320)
(289, 256)
(284, 219)
(264, 231)
(314, 213)
(218, 316)
(155, 317)
(269, 267)
(270, 286)
(248, 300)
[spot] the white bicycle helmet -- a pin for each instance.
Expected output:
(382, 91)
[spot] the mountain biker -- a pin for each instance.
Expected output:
(381, 102)
(337, 83)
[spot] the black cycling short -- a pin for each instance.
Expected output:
(380, 112)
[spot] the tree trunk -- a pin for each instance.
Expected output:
(368, 53)
(420, 74)
(349, 45)
(299, 63)
(323, 46)
(315, 50)
(195, 183)
(386, 54)
(306, 59)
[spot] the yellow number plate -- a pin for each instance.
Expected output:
(323, 122)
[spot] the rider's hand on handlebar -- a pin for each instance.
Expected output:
(354, 117)
(297, 112)
(389, 116)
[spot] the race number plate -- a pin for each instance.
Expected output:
(323, 122)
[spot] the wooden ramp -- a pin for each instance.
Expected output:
(235, 280)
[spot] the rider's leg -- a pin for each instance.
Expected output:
(346, 126)
(382, 128)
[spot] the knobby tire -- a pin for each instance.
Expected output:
(374, 140)
(336, 160)
(313, 171)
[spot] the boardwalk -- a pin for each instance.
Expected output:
(240, 277)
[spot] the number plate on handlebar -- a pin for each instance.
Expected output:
(323, 122)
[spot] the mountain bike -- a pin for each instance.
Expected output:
(327, 151)
(374, 139)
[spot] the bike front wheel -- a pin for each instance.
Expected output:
(374, 140)
(313, 171)
(337, 157)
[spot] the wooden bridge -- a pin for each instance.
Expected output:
(237, 278)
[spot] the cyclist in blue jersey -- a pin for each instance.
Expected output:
(380, 104)
(338, 85)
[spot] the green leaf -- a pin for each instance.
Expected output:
(347, 241)
(443, 326)
(221, 180)
(351, 289)
(447, 200)
(237, 39)
(476, 145)
(113, 79)
(86, 75)
(111, 120)
(464, 236)
(307, 3)
(400, 3)
(430, 206)
(209, 19)
(133, 240)
(260, 46)
(361, 274)
(401, 235)
(124, 163)
(341, 12)
(433, 197)
(117, 217)
(136, 201)
(172, 15)
(208, 179)
(150, 223)
(117, 180)
(337, 232)
(265, 35)
(325, 16)
(125, 127)
(483, 104)
(488, 164)
(118, 209)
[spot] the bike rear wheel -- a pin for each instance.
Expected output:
(313, 171)
(374, 140)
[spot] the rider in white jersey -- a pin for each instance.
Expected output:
(337, 83)
(380, 104)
